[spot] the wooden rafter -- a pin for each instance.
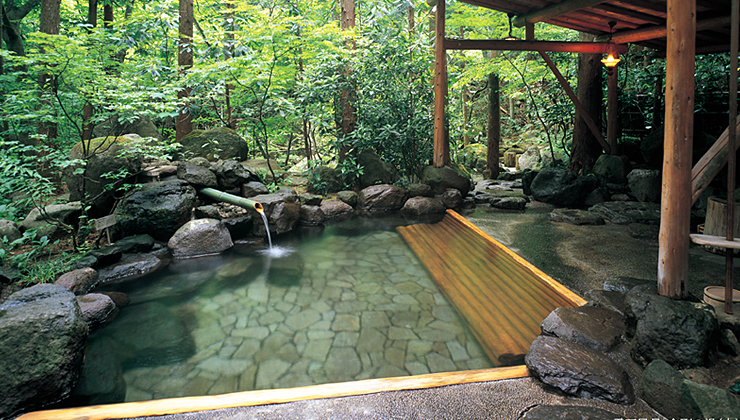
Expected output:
(549, 46)
(552, 11)
(653, 32)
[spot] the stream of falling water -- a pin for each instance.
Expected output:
(267, 228)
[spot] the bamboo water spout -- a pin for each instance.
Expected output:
(231, 199)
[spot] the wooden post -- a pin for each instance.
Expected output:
(441, 146)
(657, 102)
(673, 254)
(494, 126)
(612, 110)
(731, 163)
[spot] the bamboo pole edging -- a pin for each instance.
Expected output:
(278, 396)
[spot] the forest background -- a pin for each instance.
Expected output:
(280, 74)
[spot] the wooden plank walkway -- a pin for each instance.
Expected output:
(502, 297)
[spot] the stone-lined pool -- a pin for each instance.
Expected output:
(347, 302)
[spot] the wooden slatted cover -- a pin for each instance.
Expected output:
(501, 295)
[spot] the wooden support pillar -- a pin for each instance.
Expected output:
(441, 141)
(731, 163)
(494, 127)
(673, 254)
(612, 110)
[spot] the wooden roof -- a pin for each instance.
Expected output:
(641, 22)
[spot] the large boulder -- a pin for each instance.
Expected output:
(216, 143)
(311, 215)
(136, 243)
(645, 184)
(336, 210)
(674, 396)
(561, 187)
(445, 177)
(102, 155)
(44, 219)
(324, 180)
(200, 237)
(42, 347)
(195, 175)
(611, 168)
(422, 206)
(374, 170)
(282, 210)
(130, 267)
(97, 309)
(419, 189)
(530, 159)
(142, 126)
(598, 328)
(349, 197)
(78, 281)
(382, 198)
(452, 198)
(232, 174)
(157, 209)
(578, 370)
(676, 331)
(9, 230)
(252, 188)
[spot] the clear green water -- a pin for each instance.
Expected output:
(343, 303)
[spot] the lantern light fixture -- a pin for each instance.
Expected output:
(612, 56)
(510, 37)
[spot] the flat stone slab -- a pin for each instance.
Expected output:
(598, 328)
(578, 370)
(568, 412)
(576, 217)
(626, 212)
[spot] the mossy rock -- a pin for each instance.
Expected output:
(216, 143)
(103, 155)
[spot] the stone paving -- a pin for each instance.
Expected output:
(364, 307)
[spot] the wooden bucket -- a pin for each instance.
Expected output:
(716, 221)
(510, 160)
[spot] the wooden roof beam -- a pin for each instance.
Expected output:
(552, 11)
(653, 32)
(548, 46)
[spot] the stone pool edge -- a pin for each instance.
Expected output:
(278, 396)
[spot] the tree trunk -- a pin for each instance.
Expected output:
(412, 19)
(184, 120)
(586, 149)
(107, 15)
(229, 18)
(12, 18)
(92, 13)
(87, 109)
(494, 127)
(49, 24)
(347, 95)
